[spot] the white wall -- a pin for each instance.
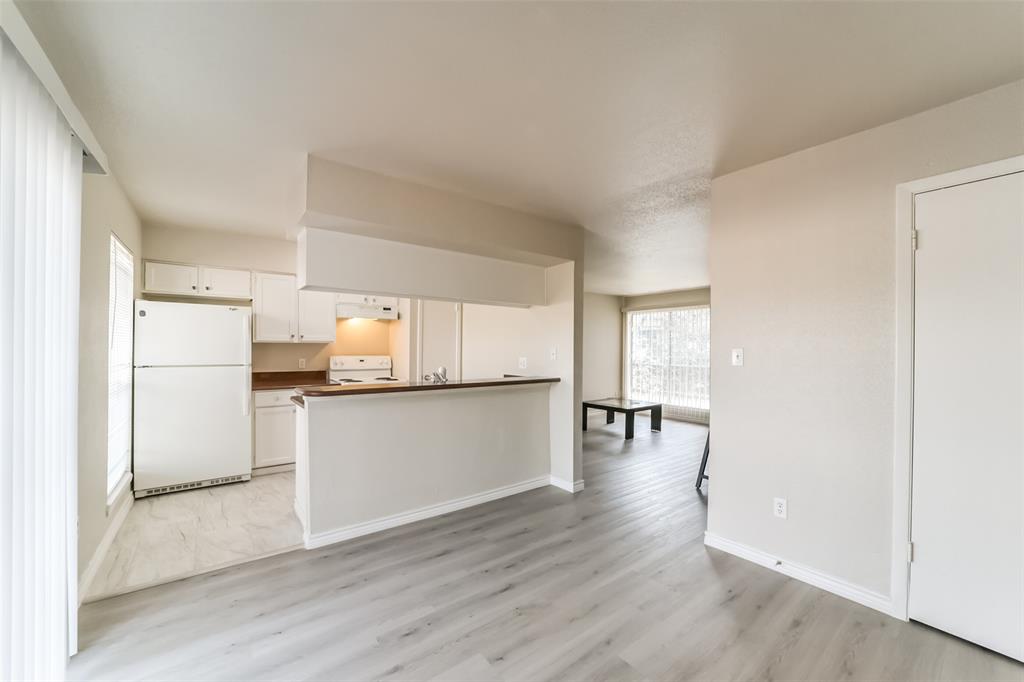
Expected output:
(495, 337)
(213, 247)
(602, 346)
(802, 268)
(105, 209)
(400, 269)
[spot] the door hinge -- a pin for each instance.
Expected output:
(913, 240)
(910, 552)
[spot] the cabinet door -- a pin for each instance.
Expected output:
(224, 283)
(275, 436)
(171, 278)
(317, 317)
(273, 305)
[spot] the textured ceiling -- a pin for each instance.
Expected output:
(614, 116)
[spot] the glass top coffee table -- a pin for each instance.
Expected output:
(626, 407)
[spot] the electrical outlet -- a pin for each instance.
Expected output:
(302, 363)
(737, 357)
(554, 353)
(779, 507)
(522, 363)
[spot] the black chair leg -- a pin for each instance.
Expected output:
(701, 476)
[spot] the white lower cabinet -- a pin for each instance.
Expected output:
(275, 429)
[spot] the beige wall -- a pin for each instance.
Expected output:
(602, 346)
(354, 337)
(105, 209)
(802, 268)
(668, 299)
(495, 337)
(211, 247)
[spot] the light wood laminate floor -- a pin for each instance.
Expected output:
(613, 583)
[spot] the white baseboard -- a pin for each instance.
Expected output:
(314, 540)
(811, 576)
(93, 567)
(275, 469)
(565, 485)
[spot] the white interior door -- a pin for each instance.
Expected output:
(967, 575)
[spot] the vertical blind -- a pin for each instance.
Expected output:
(40, 222)
(669, 360)
(119, 363)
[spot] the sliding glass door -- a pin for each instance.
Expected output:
(668, 360)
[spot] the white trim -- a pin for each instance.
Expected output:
(903, 426)
(17, 29)
(116, 521)
(315, 540)
(836, 586)
(273, 468)
(115, 495)
(565, 485)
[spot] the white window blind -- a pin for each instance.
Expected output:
(119, 363)
(40, 224)
(669, 360)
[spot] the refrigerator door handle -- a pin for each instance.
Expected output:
(246, 340)
(247, 392)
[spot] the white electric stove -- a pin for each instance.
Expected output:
(356, 369)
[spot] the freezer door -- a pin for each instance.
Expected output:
(183, 334)
(191, 424)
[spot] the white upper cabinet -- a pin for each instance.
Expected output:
(224, 283)
(317, 320)
(182, 279)
(283, 314)
(273, 308)
(171, 278)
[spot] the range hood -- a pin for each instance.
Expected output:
(367, 307)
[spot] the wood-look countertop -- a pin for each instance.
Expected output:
(410, 387)
(277, 381)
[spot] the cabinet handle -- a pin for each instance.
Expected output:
(193, 287)
(207, 288)
(302, 336)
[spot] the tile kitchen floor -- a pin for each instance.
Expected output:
(173, 536)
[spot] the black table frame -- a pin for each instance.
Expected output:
(630, 413)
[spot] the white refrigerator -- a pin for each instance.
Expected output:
(193, 417)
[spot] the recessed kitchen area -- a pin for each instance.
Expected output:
(253, 399)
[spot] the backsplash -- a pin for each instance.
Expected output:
(354, 337)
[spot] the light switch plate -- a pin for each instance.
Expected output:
(737, 357)
(554, 352)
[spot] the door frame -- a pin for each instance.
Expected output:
(903, 427)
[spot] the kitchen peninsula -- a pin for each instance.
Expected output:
(375, 456)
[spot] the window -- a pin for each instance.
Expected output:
(669, 360)
(119, 364)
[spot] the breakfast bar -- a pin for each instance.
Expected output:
(375, 456)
